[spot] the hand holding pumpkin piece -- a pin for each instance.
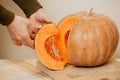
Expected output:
(37, 19)
(40, 16)
(19, 32)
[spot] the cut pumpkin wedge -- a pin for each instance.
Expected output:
(44, 47)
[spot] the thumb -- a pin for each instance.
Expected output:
(28, 42)
(43, 19)
(46, 19)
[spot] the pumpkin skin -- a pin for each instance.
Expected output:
(93, 40)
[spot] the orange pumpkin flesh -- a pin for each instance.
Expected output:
(93, 40)
(44, 47)
(64, 28)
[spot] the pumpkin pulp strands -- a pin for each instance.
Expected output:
(51, 48)
(56, 52)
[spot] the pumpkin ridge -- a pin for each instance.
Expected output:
(108, 42)
(113, 33)
(113, 29)
(105, 50)
(95, 29)
(96, 42)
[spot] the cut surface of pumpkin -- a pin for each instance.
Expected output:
(44, 44)
(64, 28)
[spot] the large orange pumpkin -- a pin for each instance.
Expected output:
(82, 39)
(93, 40)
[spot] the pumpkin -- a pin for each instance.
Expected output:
(93, 40)
(51, 43)
(81, 39)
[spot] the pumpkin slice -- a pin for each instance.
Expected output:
(45, 45)
(64, 28)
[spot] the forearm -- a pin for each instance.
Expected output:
(28, 6)
(6, 17)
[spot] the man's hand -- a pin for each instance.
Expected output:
(19, 32)
(23, 31)
(38, 19)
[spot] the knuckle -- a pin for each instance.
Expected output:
(19, 38)
(23, 36)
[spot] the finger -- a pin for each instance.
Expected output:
(32, 33)
(29, 32)
(17, 43)
(35, 24)
(32, 36)
(35, 30)
(46, 19)
(28, 42)
(14, 41)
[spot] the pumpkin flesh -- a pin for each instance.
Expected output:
(64, 28)
(44, 47)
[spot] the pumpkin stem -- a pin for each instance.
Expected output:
(89, 14)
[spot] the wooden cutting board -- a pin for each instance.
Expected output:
(108, 71)
(32, 69)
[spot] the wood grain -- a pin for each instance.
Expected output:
(17, 69)
(108, 71)
(32, 69)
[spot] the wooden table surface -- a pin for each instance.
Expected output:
(32, 69)
(16, 69)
